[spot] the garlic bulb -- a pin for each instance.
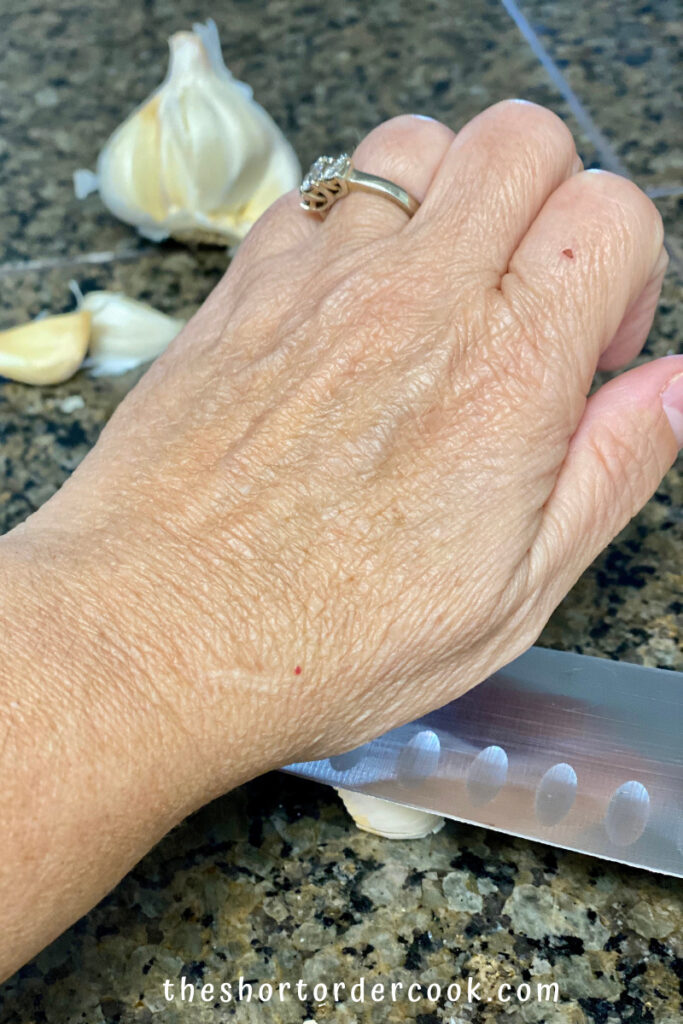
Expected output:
(199, 160)
(124, 332)
(385, 818)
(47, 350)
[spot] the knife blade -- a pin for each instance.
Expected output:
(575, 751)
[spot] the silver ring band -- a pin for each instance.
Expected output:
(332, 178)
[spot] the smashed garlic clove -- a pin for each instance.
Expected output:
(385, 818)
(124, 332)
(47, 350)
(200, 160)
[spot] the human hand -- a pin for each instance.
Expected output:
(367, 471)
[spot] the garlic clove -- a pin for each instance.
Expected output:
(385, 818)
(200, 160)
(124, 332)
(47, 350)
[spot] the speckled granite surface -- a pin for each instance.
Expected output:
(315, 67)
(612, 53)
(272, 882)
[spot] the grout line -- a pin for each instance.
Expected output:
(664, 191)
(608, 158)
(87, 259)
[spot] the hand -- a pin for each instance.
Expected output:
(367, 471)
(357, 483)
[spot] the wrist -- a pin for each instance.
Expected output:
(83, 796)
(74, 671)
(87, 641)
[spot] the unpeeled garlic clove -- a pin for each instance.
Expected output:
(47, 350)
(385, 818)
(199, 160)
(124, 332)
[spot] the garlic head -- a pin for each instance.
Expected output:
(199, 160)
(47, 350)
(124, 332)
(385, 818)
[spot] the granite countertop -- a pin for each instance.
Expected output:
(273, 882)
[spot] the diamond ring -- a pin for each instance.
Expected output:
(332, 177)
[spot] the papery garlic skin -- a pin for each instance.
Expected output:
(199, 160)
(385, 818)
(47, 350)
(124, 332)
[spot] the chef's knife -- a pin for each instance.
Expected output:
(580, 752)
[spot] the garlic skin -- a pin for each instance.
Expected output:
(385, 818)
(123, 332)
(47, 350)
(199, 160)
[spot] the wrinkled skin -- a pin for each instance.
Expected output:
(356, 484)
(366, 472)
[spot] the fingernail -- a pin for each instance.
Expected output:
(423, 117)
(672, 403)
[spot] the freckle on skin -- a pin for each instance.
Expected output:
(297, 670)
(568, 253)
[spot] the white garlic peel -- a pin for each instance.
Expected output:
(123, 332)
(199, 160)
(385, 818)
(47, 350)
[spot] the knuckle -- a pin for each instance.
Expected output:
(532, 119)
(401, 135)
(631, 209)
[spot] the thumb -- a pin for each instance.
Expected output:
(627, 439)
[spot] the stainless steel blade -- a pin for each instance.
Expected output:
(571, 750)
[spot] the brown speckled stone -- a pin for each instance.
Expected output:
(272, 883)
(623, 62)
(46, 431)
(75, 71)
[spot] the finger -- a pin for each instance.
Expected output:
(498, 173)
(282, 227)
(626, 441)
(591, 252)
(635, 326)
(408, 151)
